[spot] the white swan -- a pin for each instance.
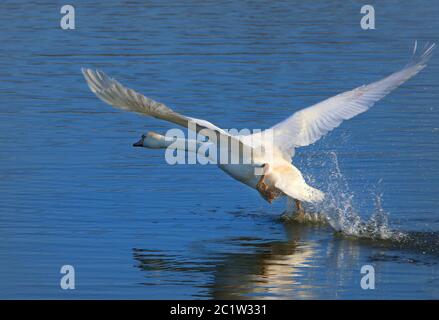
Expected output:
(279, 177)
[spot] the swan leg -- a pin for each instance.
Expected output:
(299, 206)
(294, 211)
(262, 187)
(300, 212)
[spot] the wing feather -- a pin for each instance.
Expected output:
(310, 124)
(115, 94)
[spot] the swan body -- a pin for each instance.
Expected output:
(273, 176)
(279, 169)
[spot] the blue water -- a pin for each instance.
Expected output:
(74, 191)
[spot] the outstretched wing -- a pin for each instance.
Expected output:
(310, 124)
(115, 94)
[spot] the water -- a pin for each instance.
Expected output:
(73, 190)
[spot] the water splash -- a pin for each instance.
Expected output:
(342, 215)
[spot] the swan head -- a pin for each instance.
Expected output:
(151, 140)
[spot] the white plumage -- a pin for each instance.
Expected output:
(303, 128)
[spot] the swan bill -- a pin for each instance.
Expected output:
(138, 143)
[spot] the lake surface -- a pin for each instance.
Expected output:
(73, 191)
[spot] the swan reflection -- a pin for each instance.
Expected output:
(251, 268)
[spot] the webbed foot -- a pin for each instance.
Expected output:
(266, 193)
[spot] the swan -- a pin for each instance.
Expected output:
(277, 176)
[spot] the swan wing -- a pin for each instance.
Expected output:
(112, 92)
(310, 124)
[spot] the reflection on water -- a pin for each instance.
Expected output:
(266, 270)
(262, 270)
(297, 268)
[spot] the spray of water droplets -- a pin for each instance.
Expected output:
(341, 214)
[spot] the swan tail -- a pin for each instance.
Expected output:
(299, 190)
(313, 195)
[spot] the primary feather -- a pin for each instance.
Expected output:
(112, 92)
(310, 124)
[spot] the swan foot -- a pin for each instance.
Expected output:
(265, 191)
(262, 187)
(269, 195)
